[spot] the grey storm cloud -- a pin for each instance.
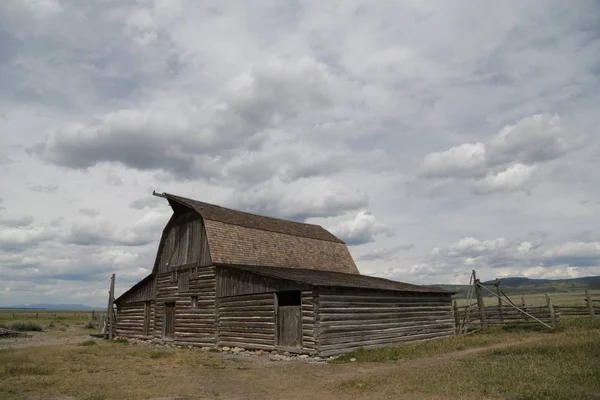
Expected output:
(187, 139)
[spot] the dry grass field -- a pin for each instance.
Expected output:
(501, 363)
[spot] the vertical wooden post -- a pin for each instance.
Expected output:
(457, 327)
(480, 301)
(590, 305)
(110, 313)
(551, 309)
(497, 284)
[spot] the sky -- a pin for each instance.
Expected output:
(434, 137)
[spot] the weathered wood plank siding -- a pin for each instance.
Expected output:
(352, 319)
(184, 243)
(193, 325)
(233, 282)
(247, 321)
(131, 317)
(143, 291)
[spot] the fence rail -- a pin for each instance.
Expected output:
(476, 316)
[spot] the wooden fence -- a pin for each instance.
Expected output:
(468, 317)
(476, 316)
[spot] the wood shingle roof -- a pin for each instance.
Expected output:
(237, 237)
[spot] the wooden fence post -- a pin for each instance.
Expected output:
(480, 304)
(497, 284)
(590, 305)
(551, 309)
(110, 312)
(456, 318)
(524, 304)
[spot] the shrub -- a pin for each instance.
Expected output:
(121, 340)
(25, 326)
(51, 324)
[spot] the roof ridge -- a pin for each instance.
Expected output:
(214, 212)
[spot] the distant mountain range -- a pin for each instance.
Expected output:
(517, 281)
(518, 285)
(46, 306)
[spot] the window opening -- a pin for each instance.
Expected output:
(291, 298)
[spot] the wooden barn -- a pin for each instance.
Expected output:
(229, 278)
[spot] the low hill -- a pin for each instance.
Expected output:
(520, 285)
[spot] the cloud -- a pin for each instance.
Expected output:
(16, 222)
(101, 232)
(44, 188)
(88, 211)
(509, 161)
(384, 254)
(300, 200)
(539, 138)
(312, 112)
(16, 238)
(462, 160)
(145, 202)
(187, 138)
(360, 230)
(577, 254)
(514, 178)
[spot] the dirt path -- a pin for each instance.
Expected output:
(37, 339)
(222, 376)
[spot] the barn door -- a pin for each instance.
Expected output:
(146, 318)
(289, 320)
(169, 328)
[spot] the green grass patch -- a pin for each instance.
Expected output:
(88, 343)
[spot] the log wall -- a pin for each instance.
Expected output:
(352, 319)
(193, 325)
(130, 320)
(249, 321)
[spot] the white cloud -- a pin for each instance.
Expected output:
(514, 178)
(463, 160)
(509, 160)
(360, 230)
(301, 199)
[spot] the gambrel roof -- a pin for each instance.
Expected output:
(240, 238)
